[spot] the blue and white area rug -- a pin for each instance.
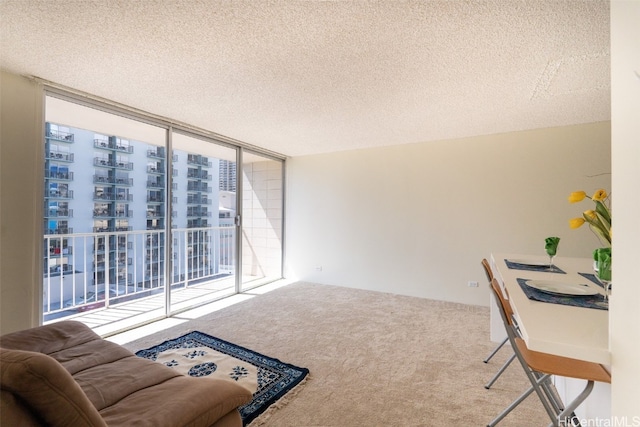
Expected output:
(199, 355)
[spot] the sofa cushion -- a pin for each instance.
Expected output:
(51, 338)
(179, 401)
(39, 382)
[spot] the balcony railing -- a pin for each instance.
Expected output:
(110, 145)
(110, 163)
(60, 136)
(101, 179)
(199, 174)
(198, 186)
(59, 230)
(195, 159)
(155, 199)
(113, 197)
(155, 169)
(59, 194)
(155, 184)
(60, 176)
(124, 147)
(135, 261)
(59, 213)
(157, 153)
(61, 156)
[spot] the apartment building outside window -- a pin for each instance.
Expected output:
(111, 196)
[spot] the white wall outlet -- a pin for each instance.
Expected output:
(472, 284)
(318, 268)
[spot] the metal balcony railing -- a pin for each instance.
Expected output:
(155, 199)
(61, 156)
(111, 163)
(103, 143)
(60, 136)
(158, 153)
(155, 169)
(59, 194)
(125, 148)
(60, 176)
(59, 213)
(118, 181)
(155, 184)
(106, 267)
(59, 230)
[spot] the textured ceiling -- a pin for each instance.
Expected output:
(305, 77)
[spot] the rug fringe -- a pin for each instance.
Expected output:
(264, 417)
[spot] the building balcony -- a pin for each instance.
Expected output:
(59, 213)
(199, 175)
(113, 197)
(60, 136)
(127, 267)
(102, 213)
(112, 146)
(155, 184)
(105, 144)
(120, 247)
(155, 214)
(61, 268)
(158, 170)
(59, 230)
(60, 156)
(110, 163)
(59, 194)
(58, 176)
(198, 214)
(111, 229)
(198, 187)
(194, 159)
(125, 148)
(158, 153)
(155, 199)
(123, 182)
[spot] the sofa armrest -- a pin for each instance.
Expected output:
(40, 383)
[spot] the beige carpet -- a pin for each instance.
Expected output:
(375, 359)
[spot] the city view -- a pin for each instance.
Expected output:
(109, 200)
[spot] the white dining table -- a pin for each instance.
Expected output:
(575, 332)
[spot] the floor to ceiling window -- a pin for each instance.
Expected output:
(132, 205)
(203, 221)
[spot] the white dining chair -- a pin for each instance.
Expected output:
(489, 274)
(540, 367)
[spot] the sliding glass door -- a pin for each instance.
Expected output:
(142, 220)
(103, 214)
(203, 221)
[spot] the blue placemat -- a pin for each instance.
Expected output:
(587, 301)
(592, 277)
(542, 268)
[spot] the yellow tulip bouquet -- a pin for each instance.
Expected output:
(599, 219)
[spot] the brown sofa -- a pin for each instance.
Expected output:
(64, 374)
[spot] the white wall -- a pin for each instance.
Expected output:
(21, 201)
(624, 314)
(417, 219)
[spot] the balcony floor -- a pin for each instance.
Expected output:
(188, 303)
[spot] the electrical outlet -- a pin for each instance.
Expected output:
(318, 268)
(472, 284)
